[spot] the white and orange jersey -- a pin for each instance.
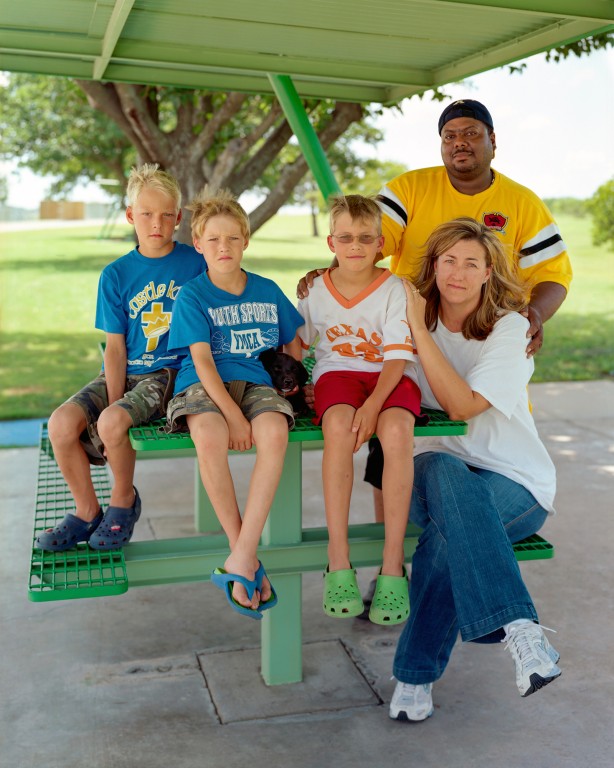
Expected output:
(357, 334)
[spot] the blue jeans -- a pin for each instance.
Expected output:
(464, 573)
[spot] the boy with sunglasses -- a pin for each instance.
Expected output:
(364, 361)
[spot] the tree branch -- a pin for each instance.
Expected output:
(344, 114)
(249, 173)
(263, 127)
(155, 142)
(104, 98)
(236, 149)
(185, 118)
(204, 141)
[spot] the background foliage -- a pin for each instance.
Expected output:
(601, 206)
(49, 278)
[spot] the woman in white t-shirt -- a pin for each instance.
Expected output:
(476, 494)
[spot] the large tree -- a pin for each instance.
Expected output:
(232, 140)
(223, 139)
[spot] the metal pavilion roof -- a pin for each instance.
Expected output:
(357, 50)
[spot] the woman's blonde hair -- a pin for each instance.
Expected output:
(150, 175)
(208, 204)
(502, 292)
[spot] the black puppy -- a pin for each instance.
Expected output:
(288, 377)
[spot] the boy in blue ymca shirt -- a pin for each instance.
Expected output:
(227, 317)
(136, 299)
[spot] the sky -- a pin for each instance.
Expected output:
(554, 125)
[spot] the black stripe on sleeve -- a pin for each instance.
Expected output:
(393, 206)
(541, 246)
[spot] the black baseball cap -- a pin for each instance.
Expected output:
(465, 108)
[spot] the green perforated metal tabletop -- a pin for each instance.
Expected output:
(152, 437)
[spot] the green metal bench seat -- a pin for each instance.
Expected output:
(287, 549)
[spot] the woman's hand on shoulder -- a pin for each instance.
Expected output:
(416, 306)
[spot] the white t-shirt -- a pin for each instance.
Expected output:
(357, 334)
(504, 438)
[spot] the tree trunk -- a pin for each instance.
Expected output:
(185, 151)
(344, 115)
(314, 221)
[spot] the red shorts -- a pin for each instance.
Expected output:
(354, 387)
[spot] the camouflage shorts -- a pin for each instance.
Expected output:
(145, 399)
(256, 399)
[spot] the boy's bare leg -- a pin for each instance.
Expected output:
(65, 426)
(113, 425)
(210, 435)
(270, 433)
(395, 431)
(337, 480)
(209, 432)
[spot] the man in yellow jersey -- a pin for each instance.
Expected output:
(416, 202)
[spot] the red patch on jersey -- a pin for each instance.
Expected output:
(496, 221)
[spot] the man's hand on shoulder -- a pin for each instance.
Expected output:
(305, 283)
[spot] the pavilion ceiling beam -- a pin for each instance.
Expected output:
(37, 53)
(211, 59)
(118, 18)
(588, 10)
(124, 71)
(500, 55)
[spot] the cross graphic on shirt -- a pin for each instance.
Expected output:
(156, 323)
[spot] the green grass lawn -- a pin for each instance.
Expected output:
(48, 344)
(579, 339)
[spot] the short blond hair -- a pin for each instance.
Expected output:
(208, 204)
(150, 175)
(359, 207)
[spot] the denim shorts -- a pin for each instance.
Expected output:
(144, 399)
(256, 399)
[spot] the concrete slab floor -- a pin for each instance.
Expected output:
(118, 682)
(331, 683)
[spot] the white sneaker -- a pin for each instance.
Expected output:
(533, 655)
(411, 702)
(552, 652)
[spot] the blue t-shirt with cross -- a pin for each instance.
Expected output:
(137, 297)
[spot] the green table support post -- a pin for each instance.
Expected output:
(281, 652)
(305, 134)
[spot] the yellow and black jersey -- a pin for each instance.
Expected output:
(416, 202)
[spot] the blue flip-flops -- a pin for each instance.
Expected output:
(68, 533)
(260, 576)
(117, 526)
(224, 581)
